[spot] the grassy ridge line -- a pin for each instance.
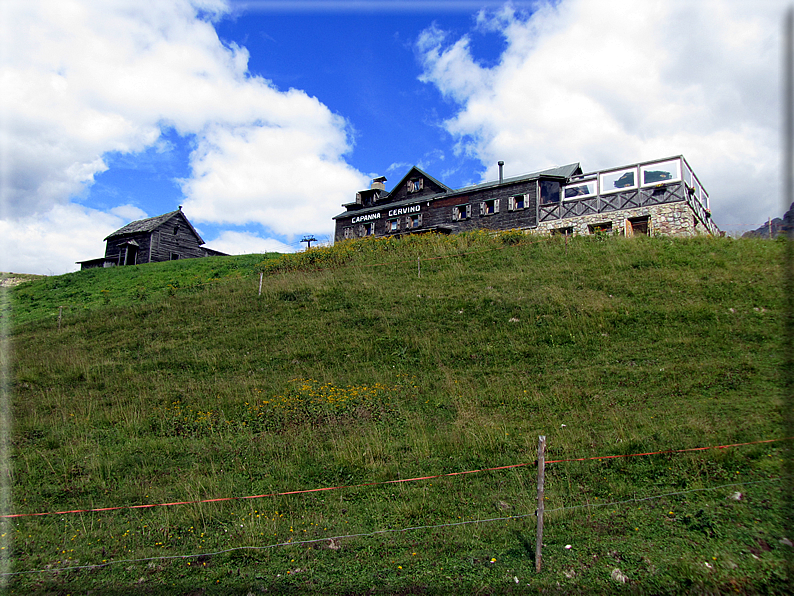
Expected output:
(357, 374)
(85, 291)
(391, 250)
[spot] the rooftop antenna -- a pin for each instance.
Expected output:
(308, 240)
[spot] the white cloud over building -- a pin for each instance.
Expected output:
(613, 82)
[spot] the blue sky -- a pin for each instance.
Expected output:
(263, 117)
(360, 64)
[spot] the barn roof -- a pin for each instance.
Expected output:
(152, 223)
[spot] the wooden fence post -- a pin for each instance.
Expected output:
(418, 267)
(261, 274)
(60, 315)
(541, 471)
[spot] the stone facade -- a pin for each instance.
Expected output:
(669, 219)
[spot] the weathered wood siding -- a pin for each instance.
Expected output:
(182, 243)
(173, 237)
(114, 249)
(440, 213)
(429, 188)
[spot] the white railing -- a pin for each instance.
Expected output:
(644, 175)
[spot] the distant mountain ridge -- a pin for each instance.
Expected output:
(773, 227)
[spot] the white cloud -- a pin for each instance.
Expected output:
(83, 78)
(615, 81)
(129, 212)
(290, 180)
(244, 243)
(59, 238)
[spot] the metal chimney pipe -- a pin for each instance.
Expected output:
(501, 165)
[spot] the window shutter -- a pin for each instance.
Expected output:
(511, 204)
(482, 208)
(420, 221)
(455, 214)
(496, 205)
(468, 210)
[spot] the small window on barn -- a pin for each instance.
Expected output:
(369, 229)
(348, 232)
(415, 221)
(176, 230)
(638, 226)
(517, 203)
(394, 225)
(549, 192)
(174, 256)
(600, 228)
(562, 231)
(461, 212)
(415, 185)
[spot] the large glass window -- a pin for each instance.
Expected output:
(618, 180)
(687, 176)
(580, 190)
(549, 192)
(661, 172)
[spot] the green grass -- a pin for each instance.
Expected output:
(77, 293)
(352, 369)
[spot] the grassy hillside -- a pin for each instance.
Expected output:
(42, 297)
(352, 368)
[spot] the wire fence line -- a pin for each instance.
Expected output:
(395, 481)
(388, 531)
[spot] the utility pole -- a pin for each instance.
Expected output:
(308, 240)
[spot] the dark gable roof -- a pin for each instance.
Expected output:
(152, 223)
(412, 174)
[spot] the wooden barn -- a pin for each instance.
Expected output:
(663, 196)
(166, 237)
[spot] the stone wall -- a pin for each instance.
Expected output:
(667, 219)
